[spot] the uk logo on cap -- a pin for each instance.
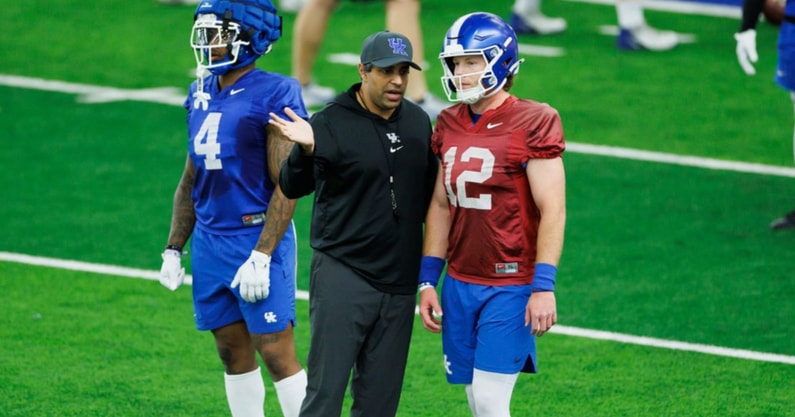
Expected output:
(398, 47)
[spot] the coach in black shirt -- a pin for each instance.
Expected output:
(367, 159)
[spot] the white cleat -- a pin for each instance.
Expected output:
(646, 37)
(537, 24)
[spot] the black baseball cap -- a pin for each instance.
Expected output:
(384, 49)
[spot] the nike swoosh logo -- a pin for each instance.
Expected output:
(492, 126)
(393, 150)
(233, 92)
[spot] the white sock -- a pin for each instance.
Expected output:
(630, 14)
(471, 399)
(492, 393)
(245, 394)
(291, 392)
(526, 7)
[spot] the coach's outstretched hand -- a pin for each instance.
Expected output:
(172, 274)
(254, 277)
(298, 130)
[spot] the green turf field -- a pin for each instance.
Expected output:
(666, 251)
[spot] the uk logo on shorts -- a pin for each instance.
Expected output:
(270, 317)
(447, 366)
(398, 47)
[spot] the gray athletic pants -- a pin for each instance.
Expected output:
(354, 327)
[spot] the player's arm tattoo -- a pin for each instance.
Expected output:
(183, 216)
(280, 208)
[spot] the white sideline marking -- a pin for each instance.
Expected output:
(172, 96)
(674, 345)
(537, 50)
(304, 295)
(346, 58)
(98, 94)
(684, 7)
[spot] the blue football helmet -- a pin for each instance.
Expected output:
(485, 35)
(245, 28)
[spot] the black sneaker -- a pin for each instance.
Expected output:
(786, 222)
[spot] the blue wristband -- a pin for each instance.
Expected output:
(430, 269)
(544, 277)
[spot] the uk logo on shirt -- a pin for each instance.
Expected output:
(393, 137)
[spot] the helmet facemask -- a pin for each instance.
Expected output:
(230, 34)
(216, 43)
(488, 84)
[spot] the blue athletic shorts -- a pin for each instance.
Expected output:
(785, 72)
(215, 260)
(483, 327)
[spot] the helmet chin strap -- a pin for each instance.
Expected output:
(471, 96)
(200, 97)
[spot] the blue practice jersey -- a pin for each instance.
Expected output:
(785, 71)
(227, 144)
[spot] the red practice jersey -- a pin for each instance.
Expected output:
(492, 238)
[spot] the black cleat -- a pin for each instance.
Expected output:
(786, 222)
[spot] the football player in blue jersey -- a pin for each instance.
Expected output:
(229, 203)
(785, 71)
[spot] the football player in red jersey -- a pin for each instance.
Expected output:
(497, 216)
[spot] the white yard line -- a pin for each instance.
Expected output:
(97, 94)
(673, 159)
(303, 295)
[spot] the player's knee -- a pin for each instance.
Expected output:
(239, 363)
(278, 352)
(237, 359)
(492, 392)
(281, 366)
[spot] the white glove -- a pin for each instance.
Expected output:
(746, 50)
(253, 277)
(172, 274)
